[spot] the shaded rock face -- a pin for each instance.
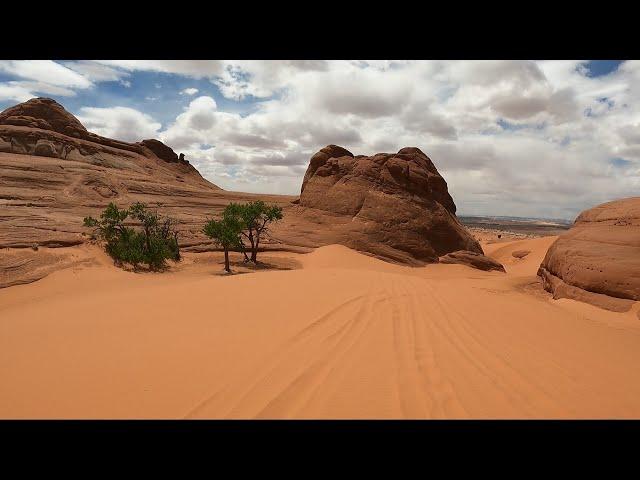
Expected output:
(161, 150)
(473, 260)
(395, 206)
(598, 259)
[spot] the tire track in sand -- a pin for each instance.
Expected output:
(279, 390)
(424, 391)
(453, 329)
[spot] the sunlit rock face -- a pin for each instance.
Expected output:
(598, 259)
(392, 205)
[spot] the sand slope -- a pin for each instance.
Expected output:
(346, 336)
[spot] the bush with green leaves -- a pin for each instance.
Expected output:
(151, 239)
(226, 233)
(241, 221)
(256, 218)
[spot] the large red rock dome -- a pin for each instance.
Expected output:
(598, 259)
(392, 205)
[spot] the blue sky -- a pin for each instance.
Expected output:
(529, 138)
(157, 94)
(598, 68)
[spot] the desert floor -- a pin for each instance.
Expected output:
(329, 334)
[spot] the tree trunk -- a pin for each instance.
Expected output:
(254, 252)
(253, 246)
(147, 240)
(226, 260)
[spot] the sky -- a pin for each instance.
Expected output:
(511, 137)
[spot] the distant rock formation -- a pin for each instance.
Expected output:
(44, 114)
(163, 152)
(520, 253)
(598, 259)
(42, 127)
(473, 260)
(395, 206)
(53, 172)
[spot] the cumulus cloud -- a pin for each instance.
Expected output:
(15, 92)
(39, 77)
(22, 91)
(122, 123)
(45, 71)
(510, 137)
(501, 132)
(241, 78)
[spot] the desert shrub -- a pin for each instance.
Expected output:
(151, 240)
(256, 218)
(240, 222)
(226, 233)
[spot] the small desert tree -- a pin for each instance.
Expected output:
(226, 233)
(256, 217)
(153, 242)
(160, 236)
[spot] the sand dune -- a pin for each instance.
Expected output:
(345, 336)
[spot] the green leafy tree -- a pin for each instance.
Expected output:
(153, 241)
(256, 217)
(226, 233)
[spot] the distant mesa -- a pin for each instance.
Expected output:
(598, 259)
(394, 206)
(472, 259)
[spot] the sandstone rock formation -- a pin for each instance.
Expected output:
(598, 259)
(520, 253)
(394, 206)
(473, 260)
(53, 173)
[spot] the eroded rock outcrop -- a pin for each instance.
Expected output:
(395, 206)
(598, 259)
(53, 172)
(44, 114)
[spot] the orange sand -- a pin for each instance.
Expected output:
(345, 336)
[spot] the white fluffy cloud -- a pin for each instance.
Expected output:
(38, 77)
(121, 123)
(510, 137)
(45, 71)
